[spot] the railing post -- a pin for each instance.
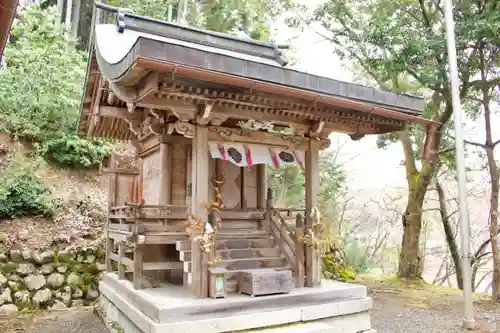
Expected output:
(269, 207)
(299, 252)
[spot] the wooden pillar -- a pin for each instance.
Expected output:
(111, 202)
(312, 185)
(137, 277)
(165, 171)
(262, 190)
(261, 186)
(299, 252)
(200, 195)
(161, 250)
(121, 255)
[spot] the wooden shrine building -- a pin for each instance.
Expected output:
(207, 114)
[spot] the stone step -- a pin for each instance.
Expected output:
(248, 253)
(233, 244)
(252, 263)
(230, 244)
(245, 253)
(232, 276)
(242, 234)
(247, 263)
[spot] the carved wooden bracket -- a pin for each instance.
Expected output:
(131, 107)
(356, 136)
(183, 128)
(204, 114)
(135, 126)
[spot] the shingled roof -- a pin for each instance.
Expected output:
(125, 52)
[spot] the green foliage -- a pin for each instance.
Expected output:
(40, 89)
(334, 268)
(288, 184)
(22, 192)
(71, 150)
(250, 16)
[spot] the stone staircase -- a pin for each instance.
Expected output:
(240, 249)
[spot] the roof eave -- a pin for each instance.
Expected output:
(7, 14)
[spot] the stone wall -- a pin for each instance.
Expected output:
(49, 279)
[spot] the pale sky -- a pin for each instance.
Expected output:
(367, 167)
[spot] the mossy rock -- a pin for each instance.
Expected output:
(8, 268)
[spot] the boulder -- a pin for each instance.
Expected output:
(26, 254)
(3, 280)
(14, 286)
(14, 277)
(74, 279)
(35, 282)
(6, 296)
(22, 297)
(24, 269)
(16, 256)
(91, 294)
(8, 309)
(46, 269)
(42, 297)
(58, 305)
(64, 294)
(77, 293)
(62, 269)
(42, 257)
(55, 280)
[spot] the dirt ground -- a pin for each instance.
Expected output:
(398, 308)
(417, 308)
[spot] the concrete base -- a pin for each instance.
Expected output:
(334, 307)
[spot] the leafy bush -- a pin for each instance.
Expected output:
(22, 193)
(41, 88)
(72, 150)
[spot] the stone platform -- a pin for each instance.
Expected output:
(334, 307)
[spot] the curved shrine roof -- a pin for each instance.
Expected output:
(125, 54)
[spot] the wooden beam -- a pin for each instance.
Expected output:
(147, 86)
(183, 110)
(292, 142)
(157, 266)
(311, 191)
(95, 105)
(317, 128)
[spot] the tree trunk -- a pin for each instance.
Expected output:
(494, 178)
(450, 235)
(410, 261)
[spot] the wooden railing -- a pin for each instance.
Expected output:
(289, 239)
(138, 211)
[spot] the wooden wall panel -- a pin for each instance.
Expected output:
(230, 191)
(151, 178)
(179, 174)
(250, 190)
(124, 189)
